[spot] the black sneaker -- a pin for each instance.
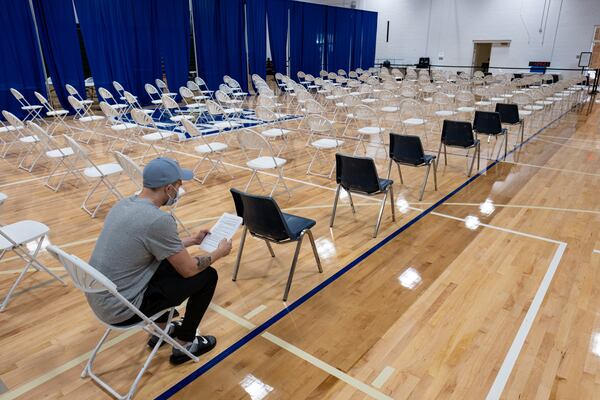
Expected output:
(154, 339)
(200, 345)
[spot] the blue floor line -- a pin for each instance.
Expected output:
(265, 325)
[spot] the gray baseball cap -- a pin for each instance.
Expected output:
(163, 171)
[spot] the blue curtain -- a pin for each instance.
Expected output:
(60, 44)
(120, 43)
(256, 17)
(307, 37)
(369, 38)
(277, 15)
(21, 66)
(339, 38)
(172, 19)
(220, 41)
(355, 61)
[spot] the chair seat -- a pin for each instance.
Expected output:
(200, 97)
(483, 103)
(266, 162)
(275, 132)
(340, 105)
(497, 99)
(159, 135)
(104, 170)
(64, 152)
(327, 143)
(213, 148)
(9, 128)
(31, 107)
(370, 130)
(225, 124)
(178, 118)
(465, 109)
(414, 121)
(195, 105)
(22, 232)
(91, 118)
(297, 224)
(233, 110)
(56, 112)
(369, 101)
(119, 106)
(389, 109)
(533, 107)
(29, 139)
(428, 99)
(444, 113)
(384, 183)
(157, 102)
(240, 94)
(123, 126)
(524, 113)
(544, 102)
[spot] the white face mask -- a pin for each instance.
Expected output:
(172, 200)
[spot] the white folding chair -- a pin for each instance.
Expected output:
(207, 150)
(144, 122)
(109, 98)
(120, 90)
(33, 111)
(58, 116)
(233, 106)
(273, 132)
(8, 138)
(203, 87)
(28, 141)
(89, 280)
(195, 88)
(135, 173)
(15, 237)
(173, 111)
(87, 121)
(261, 157)
(371, 127)
(155, 99)
(322, 137)
(118, 125)
(73, 92)
(162, 86)
(191, 101)
(53, 151)
(100, 172)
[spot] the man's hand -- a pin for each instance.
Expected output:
(222, 250)
(196, 239)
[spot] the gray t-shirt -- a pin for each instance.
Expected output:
(136, 237)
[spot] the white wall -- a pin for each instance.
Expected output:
(429, 27)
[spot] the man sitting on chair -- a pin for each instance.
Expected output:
(139, 249)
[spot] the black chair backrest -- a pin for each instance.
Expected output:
(357, 174)
(406, 149)
(457, 133)
(487, 122)
(261, 215)
(509, 113)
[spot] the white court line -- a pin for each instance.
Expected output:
(255, 312)
(570, 171)
(517, 345)
(26, 387)
(363, 387)
(18, 271)
(383, 377)
(576, 210)
(596, 251)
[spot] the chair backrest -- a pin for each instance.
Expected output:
(222, 97)
(509, 113)
(200, 82)
(71, 90)
(313, 107)
(357, 174)
(130, 99)
(214, 108)
(109, 110)
(193, 86)
(85, 277)
(150, 89)
(118, 87)
(265, 114)
(186, 93)
(43, 101)
(168, 102)
(77, 105)
(141, 118)
(105, 94)
(133, 171)
(191, 129)
(160, 84)
(457, 133)
(18, 95)
(320, 124)
(262, 216)
(46, 140)
(252, 140)
(487, 122)
(406, 149)
(79, 151)
(13, 120)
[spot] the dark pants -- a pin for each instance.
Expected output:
(169, 289)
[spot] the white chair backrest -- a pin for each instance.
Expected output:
(186, 92)
(364, 112)
(193, 86)
(313, 107)
(168, 101)
(133, 171)
(141, 118)
(105, 94)
(200, 82)
(79, 151)
(160, 84)
(13, 120)
(18, 95)
(214, 108)
(77, 105)
(320, 124)
(265, 114)
(45, 139)
(71, 90)
(150, 89)
(41, 99)
(118, 87)
(254, 141)
(222, 97)
(130, 99)
(109, 110)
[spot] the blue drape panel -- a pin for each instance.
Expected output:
(173, 34)
(357, 40)
(60, 44)
(120, 43)
(277, 15)
(339, 38)
(220, 41)
(307, 37)
(256, 17)
(369, 38)
(21, 66)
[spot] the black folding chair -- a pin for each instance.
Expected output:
(359, 175)
(264, 220)
(460, 134)
(509, 115)
(408, 150)
(489, 123)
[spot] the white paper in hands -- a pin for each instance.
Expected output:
(225, 228)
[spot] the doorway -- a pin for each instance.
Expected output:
(481, 56)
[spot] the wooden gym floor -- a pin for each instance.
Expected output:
(507, 307)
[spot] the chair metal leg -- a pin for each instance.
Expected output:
(351, 202)
(335, 203)
(314, 248)
(400, 173)
(270, 248)
(380, 214)
(392, 203)
(239, 254)
(389, 169)
(292, 268)
(425, 181)
(435, 174)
